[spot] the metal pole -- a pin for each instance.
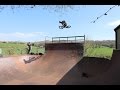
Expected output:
(52, 39)
(67, 39)
(59, 39)
(84, 39)
(75, 39)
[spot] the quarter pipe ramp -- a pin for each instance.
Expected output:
(46, 70)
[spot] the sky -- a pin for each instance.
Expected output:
(36, 24)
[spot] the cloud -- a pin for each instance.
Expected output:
(114, 23)
(21, 36)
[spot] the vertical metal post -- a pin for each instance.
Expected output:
(59, 39)
(67, 39)
(75, 39)
(52, 39)
(84, 39)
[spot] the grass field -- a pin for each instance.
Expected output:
(104, 52)
(18, 49)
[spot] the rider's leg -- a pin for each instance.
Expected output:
(68, 26)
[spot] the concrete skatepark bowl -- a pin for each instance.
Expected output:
(62, 64)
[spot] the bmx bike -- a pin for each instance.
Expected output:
(61, 27)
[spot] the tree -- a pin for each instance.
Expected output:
(56, 8)
(88, 47)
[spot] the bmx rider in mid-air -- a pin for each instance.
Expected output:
(64, 24)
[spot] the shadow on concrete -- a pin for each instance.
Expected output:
(85, 70)
(31, 59)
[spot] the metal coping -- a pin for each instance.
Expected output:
(68, 37)
(67, 40)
